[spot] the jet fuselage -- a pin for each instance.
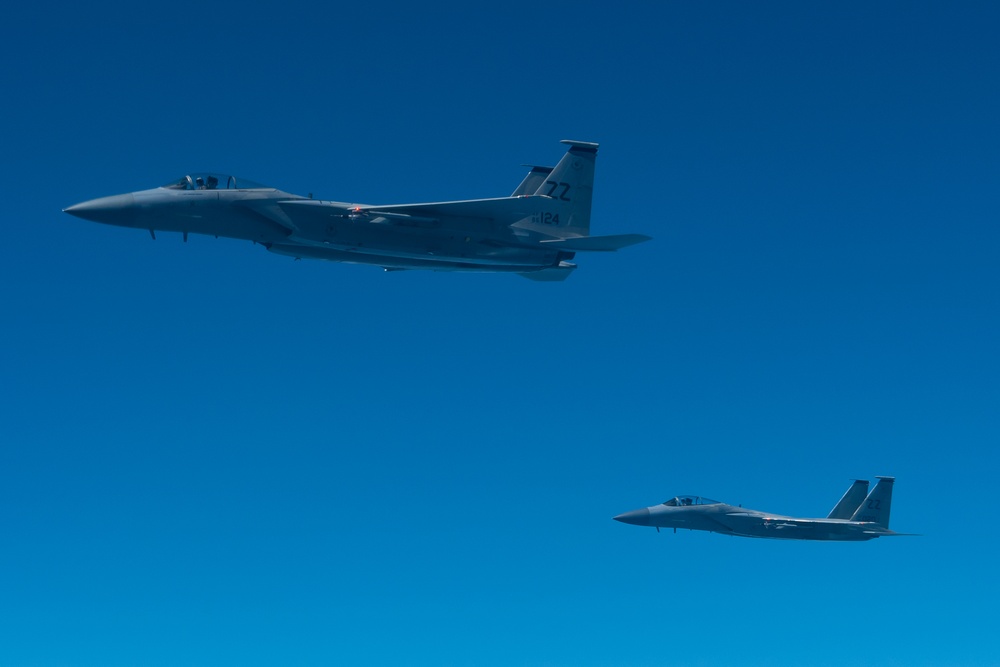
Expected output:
(321, 232)
(731, 520)
(534, 232)
(858, 516)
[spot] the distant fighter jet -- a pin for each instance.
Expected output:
(858, 516)
(534, 232)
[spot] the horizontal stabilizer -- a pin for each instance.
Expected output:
(598, 243)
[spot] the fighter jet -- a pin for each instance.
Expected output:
(534, 232)
(858, 516)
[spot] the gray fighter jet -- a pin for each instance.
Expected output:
(533, 232)
(858, 516)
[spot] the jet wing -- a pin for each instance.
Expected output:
(503, 211)
(754, 519)
(312, 211)
(787, 522)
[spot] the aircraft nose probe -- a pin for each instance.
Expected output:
(106, 209)
(635, 517)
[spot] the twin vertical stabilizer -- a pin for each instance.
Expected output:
(875, 507)
(568, 192)
(572, 184)
(532, 181)
(851, 501)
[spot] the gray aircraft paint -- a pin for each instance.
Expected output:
(851, 501)
(534, 232)
(868, 518)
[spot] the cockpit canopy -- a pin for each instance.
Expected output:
(207, 181)
(685, 501)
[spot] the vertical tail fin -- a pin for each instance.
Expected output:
(571, 185)
(532, 181)
(876, 505)
(851, 501)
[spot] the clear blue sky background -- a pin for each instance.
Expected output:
(210, 455)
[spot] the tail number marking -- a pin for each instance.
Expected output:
(553, 186)
(545, 218)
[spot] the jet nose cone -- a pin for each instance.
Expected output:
(114, 210)
(635, 517)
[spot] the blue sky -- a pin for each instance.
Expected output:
(210, 455)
